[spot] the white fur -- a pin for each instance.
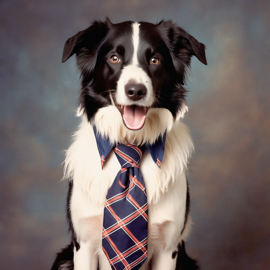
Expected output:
(135, 39)
(135, 73)
(182, 112)
(166, 187)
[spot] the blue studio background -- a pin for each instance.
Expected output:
(229, 119)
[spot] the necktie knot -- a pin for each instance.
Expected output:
(129, 155)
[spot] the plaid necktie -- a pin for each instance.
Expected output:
(124, 236)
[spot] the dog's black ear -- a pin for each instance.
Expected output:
(187, 44)
(71, 45)
(89, 38)
(182, 47)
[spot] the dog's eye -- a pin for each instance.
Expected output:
(114, 59)
(154, 61)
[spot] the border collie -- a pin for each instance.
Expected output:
(132, 77)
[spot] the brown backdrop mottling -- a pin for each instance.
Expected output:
(229, 119)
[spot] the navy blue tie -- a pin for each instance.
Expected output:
(124, 235)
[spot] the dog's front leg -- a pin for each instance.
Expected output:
(163, 240)
(90, 255)
(85, 258)
(89, 238)
(161, 259)
(162, 246)
(87, 219)
(164, 259)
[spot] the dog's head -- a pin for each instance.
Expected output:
(134, 66)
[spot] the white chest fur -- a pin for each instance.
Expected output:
(166, 187)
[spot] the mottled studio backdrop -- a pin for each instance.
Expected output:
(229, 119)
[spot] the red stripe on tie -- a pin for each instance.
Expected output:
(127, 158)
(120, 183)
(140, 185)
(123, 226)
(139, 209)
(102, 161)
(118, 253)
(139, 260)
(136, 148)
(158, 162)
(126, 253)
(126, 220)
(107, 255)
(117, 197)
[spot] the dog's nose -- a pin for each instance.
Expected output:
(135, 91)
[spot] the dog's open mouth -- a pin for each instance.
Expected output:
(133, 116)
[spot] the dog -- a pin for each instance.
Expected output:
(132, 92)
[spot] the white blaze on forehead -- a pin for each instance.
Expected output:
(135, 39)
(133, 72)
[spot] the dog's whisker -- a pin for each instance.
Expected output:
(112, 100)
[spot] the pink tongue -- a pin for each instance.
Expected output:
(134, 116)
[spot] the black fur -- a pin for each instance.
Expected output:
(70, 225)
(66, 255)
(187, 208)
(184, 262)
